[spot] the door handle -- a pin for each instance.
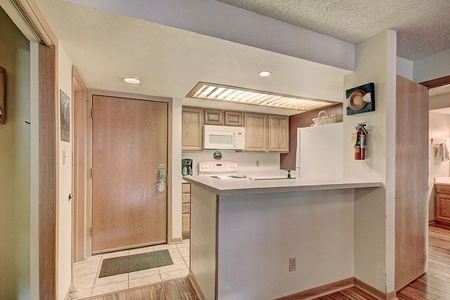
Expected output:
(161, 178)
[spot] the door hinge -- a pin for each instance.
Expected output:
(92, 173)
(90, 231)
(92, 113)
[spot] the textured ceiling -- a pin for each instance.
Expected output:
(423, 27)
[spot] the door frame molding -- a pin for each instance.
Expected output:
(89, 182)
(79, 93)
(436, 82)
(48, 174)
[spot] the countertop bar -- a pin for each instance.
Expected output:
(242, 187)
(442, 180)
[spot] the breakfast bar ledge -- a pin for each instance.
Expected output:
(245, 233)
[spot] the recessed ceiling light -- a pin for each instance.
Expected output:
(264, 74)
(132, 80)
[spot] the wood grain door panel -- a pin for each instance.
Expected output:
(278, 133)
(411, 181)
(129, 143)
(213, 117)
(192, 129)
(442, 208)
(233, 118)
(256, 127)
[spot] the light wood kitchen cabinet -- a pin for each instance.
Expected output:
(233, 118)
(192, 121)
(256, 126)
(266, 133)
(213, 117)
(442, 212)
(278, 133)
(186, 210)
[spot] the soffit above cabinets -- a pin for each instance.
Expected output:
(422, 26)
(106, 47)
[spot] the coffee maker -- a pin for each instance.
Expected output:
(186, 166)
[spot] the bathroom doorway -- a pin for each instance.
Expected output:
(439, 147)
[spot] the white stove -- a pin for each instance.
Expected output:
(220, 170)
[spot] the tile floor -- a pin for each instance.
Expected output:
(85, 274)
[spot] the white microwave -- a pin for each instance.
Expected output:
(223, 137)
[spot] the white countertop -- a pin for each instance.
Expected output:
(442, 180)
(238, 187)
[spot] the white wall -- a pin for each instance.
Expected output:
(432, 67)
(247, 161)
(177, 229)
(258, 233)
(230, 23)
(440, 101)
(34, 168)
(64, 206)
(374, 211)
(439, 131)
(405, 68)
(15, 172)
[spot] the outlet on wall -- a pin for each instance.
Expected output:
(292, 264)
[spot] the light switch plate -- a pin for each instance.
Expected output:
(354, 136)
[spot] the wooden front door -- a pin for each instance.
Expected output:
(129, 145)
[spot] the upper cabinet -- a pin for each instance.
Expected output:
(256, 126)
(233, 118)
(213, 117)
(192, 129)
(266, 133)
(263, 133)
(278, 133)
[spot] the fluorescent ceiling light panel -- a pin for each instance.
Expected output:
(224, 93)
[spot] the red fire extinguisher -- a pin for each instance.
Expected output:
(360, 145)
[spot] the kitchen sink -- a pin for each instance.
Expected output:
(271, 178)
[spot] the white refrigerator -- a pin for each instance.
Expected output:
(320, 151)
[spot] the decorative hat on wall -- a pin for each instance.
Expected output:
(360, 99)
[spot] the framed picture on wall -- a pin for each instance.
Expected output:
(360, 99)
(64, 108)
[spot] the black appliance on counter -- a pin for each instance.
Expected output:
(186, 166)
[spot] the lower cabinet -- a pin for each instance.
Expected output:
(186, 210)
(442, 214)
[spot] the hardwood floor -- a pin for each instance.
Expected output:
(350, 294)
(435, 284)
(166, 290)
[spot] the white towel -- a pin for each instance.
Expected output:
(443, 153)
(446, 151)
